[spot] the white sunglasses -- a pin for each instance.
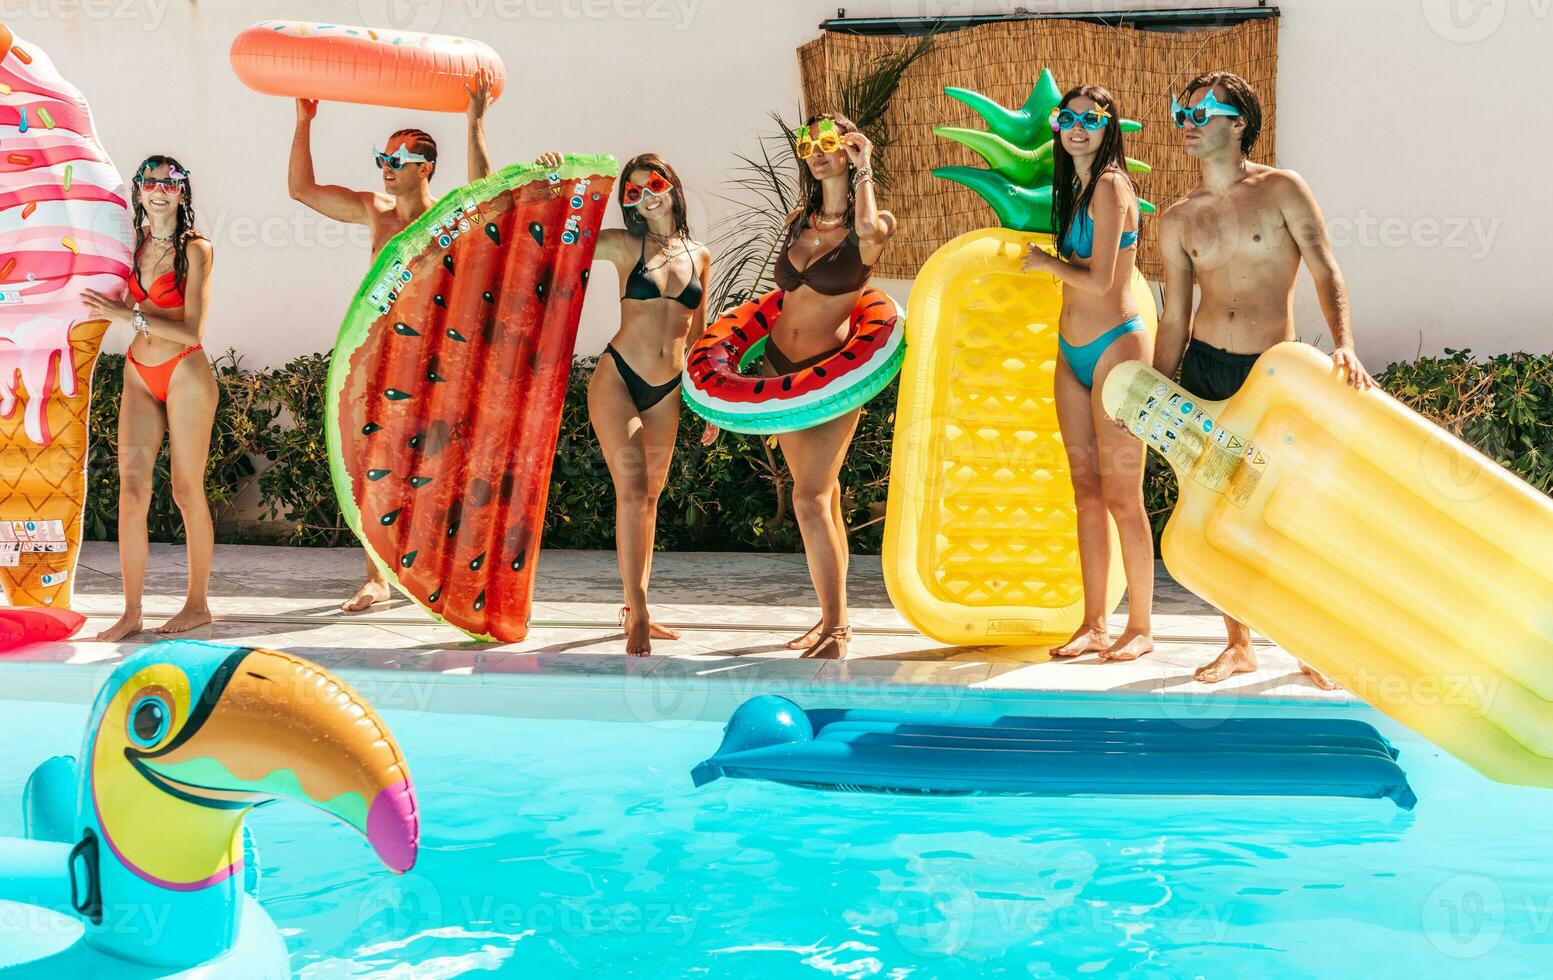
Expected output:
(396, 159)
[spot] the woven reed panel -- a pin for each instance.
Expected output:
(1143, 69)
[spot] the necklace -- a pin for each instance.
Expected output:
(158, 238)
(664, 243)
(822, 222)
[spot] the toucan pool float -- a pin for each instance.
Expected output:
(446, 387)
(372, 66)
(769, 737)
(718, 391)
(1368, 542)
(980, 532)
(64, 228)
(135, 863)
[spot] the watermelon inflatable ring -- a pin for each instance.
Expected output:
(718, 391)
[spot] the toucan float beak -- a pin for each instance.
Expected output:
(276, 726)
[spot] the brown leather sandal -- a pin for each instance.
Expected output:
(842, 634)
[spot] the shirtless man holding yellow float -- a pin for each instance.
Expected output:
(1241, 235)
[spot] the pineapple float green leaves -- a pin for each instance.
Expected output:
(1017, 145)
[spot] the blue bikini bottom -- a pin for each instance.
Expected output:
(1083, 359)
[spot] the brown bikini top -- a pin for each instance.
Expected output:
(834, 273)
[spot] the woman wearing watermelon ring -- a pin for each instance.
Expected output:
(832, 243)
(633, 396)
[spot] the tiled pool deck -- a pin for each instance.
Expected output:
(734, 612)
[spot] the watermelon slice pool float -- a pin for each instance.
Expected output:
(861, 368)
(446, 387)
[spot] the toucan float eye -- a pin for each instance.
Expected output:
(149, 718)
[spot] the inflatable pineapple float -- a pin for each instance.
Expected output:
(981, 540)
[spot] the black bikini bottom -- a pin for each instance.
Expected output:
(782, 364)
(643, 395)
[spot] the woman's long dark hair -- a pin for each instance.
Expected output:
(184, 231)
(811, 193)
(1067, 199)
(636, 225)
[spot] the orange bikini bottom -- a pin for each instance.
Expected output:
(158, 376)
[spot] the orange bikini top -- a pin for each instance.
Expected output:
(164, 290)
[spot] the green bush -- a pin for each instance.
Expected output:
(244, 419)
(731, 496)
(297, 486)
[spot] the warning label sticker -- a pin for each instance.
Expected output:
(30, 537)
(1194, 442)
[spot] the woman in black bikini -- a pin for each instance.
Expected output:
(833, 241)
(633, 397)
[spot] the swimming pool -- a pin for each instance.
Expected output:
(562, 847)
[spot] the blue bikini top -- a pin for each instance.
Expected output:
(1080, 239)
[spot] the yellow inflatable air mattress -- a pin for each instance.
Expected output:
(1369, 543)
(980, 535)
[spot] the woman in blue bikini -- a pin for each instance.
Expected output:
(1097, 219)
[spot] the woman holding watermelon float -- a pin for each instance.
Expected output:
(169, 390)
(833, 240)
(1096, 214)
(633, 396)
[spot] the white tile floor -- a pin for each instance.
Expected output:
(733, 638)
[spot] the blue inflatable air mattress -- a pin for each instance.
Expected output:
(772, 738)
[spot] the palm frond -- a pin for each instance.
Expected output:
(763, 189)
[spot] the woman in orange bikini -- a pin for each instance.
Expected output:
(169, 389)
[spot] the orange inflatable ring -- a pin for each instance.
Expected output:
(340, 63)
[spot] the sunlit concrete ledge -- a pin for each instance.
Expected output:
(734, 611)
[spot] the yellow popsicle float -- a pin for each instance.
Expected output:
(980, 534)
(1366, 541)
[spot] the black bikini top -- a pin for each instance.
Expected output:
(640, 286)
(836, 273)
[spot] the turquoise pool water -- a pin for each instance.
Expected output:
(572, 848)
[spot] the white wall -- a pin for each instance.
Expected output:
(1442, 225)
